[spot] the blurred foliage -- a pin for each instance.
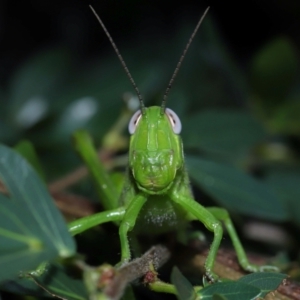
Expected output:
(248, 287)
(241, 121)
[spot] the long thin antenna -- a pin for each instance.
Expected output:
(163, 105)
(121, 60)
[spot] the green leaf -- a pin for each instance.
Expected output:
(266, 282)
(32, 229)
(37, 80)
(286, 119)
(229, 132)
(273, 72)
(231, 290)
(128, 294)
(56, 279)
(27, 150)
(22, 244)
(218, 297)
(286, 182)
(8, 133)
(185, 290)
(235, 189)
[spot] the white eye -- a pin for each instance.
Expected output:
(174, 120)
(134, 121)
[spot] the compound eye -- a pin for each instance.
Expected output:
(174, 120)
(134, 121)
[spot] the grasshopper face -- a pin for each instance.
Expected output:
(155, 152)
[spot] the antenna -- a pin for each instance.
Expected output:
(121, 60)
(163, 105)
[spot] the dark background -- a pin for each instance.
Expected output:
(29, 26)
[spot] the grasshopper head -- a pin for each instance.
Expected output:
(155, 152)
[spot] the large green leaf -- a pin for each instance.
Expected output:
(229, 132)
(56, 280)
(236, 190)
(286, 182)
(22, 245)
(266, 282)
(231, 290)
(32, 229)
(219, 297)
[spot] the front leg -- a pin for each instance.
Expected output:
(210, 222)
(127, 224)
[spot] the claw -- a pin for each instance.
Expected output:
(210, 277)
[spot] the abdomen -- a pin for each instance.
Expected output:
(159, 215)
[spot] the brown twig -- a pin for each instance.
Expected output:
(112, 281)
(68, 180)
(135, 269)
(78, 174)
(3, 189)
(74, 206)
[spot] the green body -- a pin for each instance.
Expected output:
(156, 169)
(156, 193)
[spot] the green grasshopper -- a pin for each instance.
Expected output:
(157, 192)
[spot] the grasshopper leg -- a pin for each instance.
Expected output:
(222, 215)
(210, 222)
(127, 224)
(82, 224)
